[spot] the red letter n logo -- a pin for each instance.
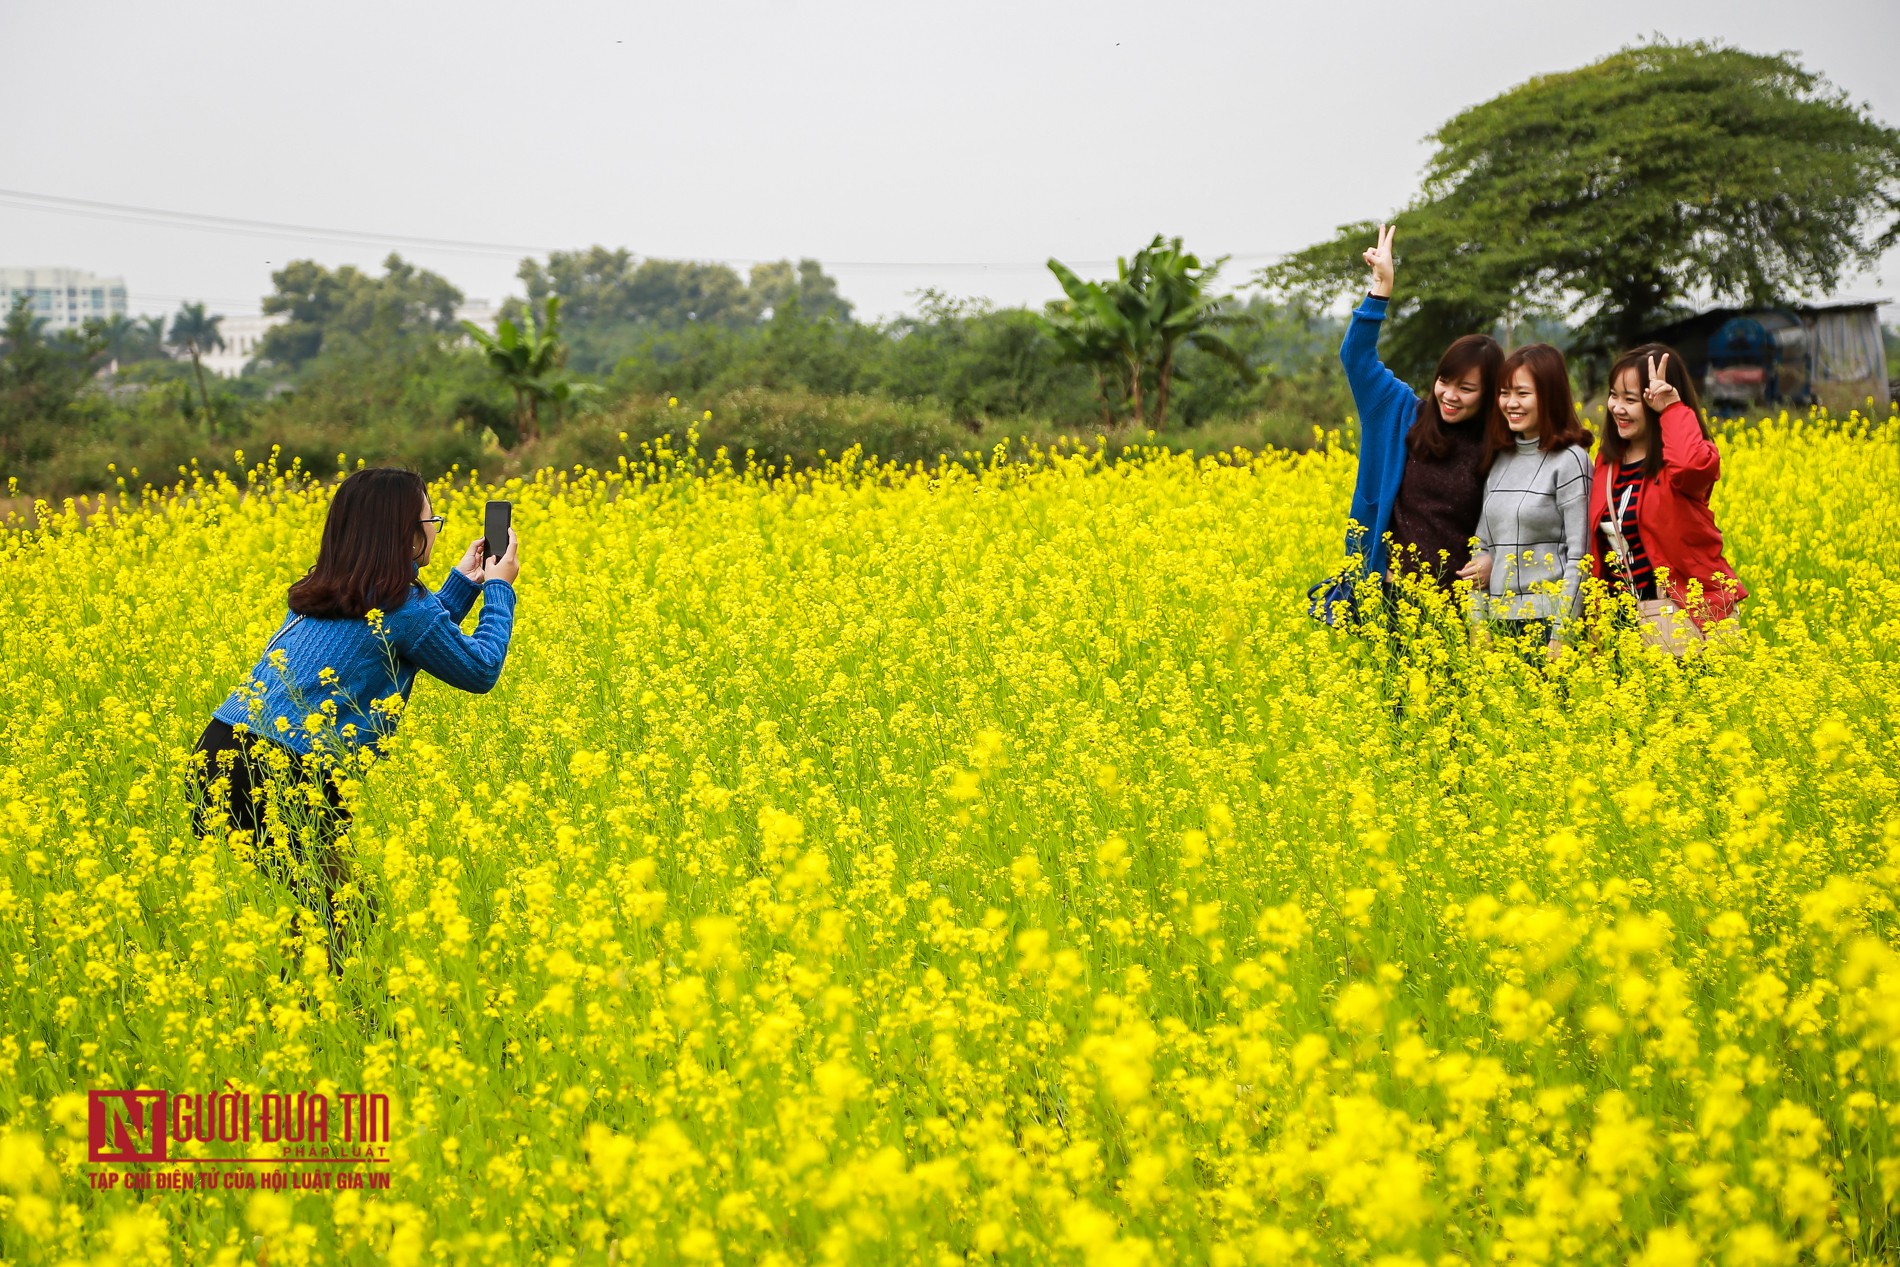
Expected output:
(126, 1125)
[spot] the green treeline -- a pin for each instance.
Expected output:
(375, 365)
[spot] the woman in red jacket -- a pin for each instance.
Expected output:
(1654, 472)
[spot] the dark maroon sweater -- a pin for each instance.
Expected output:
(1439, 502)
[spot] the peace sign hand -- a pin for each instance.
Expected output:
(1379, 259)
(1659, 395)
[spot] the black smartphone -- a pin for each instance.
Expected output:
(496, 517)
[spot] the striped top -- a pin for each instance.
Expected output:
(1535, 526)
(1628, 477)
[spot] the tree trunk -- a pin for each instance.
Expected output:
(1162, 374)
(1101, 392)
(204, 396)
(525, 428)
(1134, 389)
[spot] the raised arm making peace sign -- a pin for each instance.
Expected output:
(1420, 475)
(1660, 392)
(1379, 259)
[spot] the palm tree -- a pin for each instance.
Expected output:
(195, 334)
(122, 339)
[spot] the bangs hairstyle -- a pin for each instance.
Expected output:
(1467, 353)
(1678, 377)
(1557, 422)
(370, 541)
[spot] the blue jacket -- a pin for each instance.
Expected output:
(365, 674)
(1387, 409)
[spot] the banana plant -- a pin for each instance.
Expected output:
(525, 357)
(1134, 325)
(1090, 327)
(1179, 309)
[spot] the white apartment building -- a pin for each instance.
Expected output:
(243, 342)
(64, 297)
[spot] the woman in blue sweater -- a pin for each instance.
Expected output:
(334, 679)
(1421, 476)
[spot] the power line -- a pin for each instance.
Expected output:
(127, 213)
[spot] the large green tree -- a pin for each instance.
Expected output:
(1614, 194)
(772, 286)
(612, 302)
(324, 305)
(602, 287)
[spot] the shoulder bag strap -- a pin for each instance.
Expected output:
(280, 633)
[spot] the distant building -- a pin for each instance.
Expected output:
(481, 312)
(1828, 354)
(243, 343)
(244, 336)
(64, 297)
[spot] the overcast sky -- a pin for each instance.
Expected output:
(954, 145)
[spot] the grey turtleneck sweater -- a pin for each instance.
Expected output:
(1535, 528)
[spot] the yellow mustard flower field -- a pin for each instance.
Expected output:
(991, 863)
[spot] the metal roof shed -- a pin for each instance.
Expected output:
(1829, 353)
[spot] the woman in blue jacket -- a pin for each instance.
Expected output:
(335, 677)
(1421, 476)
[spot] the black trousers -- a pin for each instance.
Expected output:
(234, 788)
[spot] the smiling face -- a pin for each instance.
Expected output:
(1627, 412)
(1459, 397)
(1517, 399)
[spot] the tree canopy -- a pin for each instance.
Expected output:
(611, 300)
(323, 305)
(602, 287)
(1615, 194)
(39, 377)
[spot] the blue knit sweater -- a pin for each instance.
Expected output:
(1387, 409)
(359, 677)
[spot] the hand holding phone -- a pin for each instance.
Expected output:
(496, 520)
(508, 566)
(501, 557)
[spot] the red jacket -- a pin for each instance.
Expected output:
(1673, 516)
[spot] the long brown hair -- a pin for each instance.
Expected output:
(371, 539)
(1677, 375)
(1480, 352)
(1557, 421)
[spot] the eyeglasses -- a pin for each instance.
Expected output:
(437, 520)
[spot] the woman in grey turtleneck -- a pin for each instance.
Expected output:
(1534, 532)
